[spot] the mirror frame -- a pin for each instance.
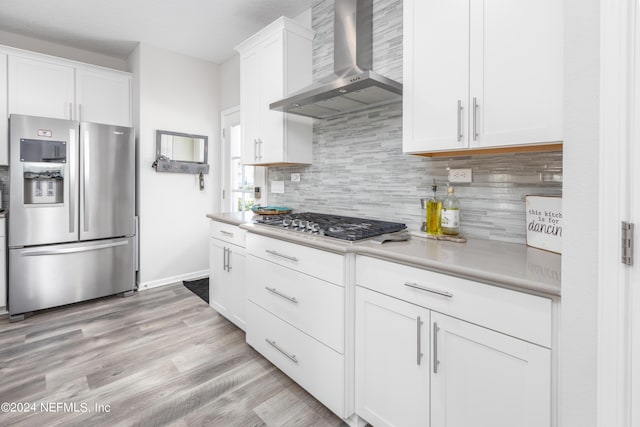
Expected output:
(163, 164)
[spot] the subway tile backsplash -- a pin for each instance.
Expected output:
(359, 168)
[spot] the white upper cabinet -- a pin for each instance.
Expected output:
(40, 88)
(103, 97)
(274, 63)
(482, 74)
(436, 74)
(47, 87)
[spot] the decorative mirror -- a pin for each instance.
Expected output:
(181, 152)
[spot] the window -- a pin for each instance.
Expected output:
(238, 180)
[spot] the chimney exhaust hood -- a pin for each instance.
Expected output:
(354, 87)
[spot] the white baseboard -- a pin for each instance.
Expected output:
(143, 286)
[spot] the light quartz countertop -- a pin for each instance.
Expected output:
(233, 218)
(508, 265)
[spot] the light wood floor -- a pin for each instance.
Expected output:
(160, 357)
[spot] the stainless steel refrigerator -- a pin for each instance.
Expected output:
(71, 212)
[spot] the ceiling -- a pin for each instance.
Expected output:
(206, 29)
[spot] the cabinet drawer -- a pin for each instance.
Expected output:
(518, 314)
(314, 262)
(311, 305)
(227, 233)
(311, 364)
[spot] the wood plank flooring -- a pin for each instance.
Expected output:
(160, 357)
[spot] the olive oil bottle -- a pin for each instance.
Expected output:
(451, 213)
(434, 209)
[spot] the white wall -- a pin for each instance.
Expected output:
(177, 93)
(579, 313)
(43, 46)
(230, 83)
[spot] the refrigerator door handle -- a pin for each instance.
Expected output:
(49, 251)
(72, 180)
(86, 174)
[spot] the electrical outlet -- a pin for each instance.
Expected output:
(459, 175)
(295, 177)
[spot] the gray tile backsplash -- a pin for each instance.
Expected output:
(359, 168)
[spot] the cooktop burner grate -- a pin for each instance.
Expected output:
(339, 227)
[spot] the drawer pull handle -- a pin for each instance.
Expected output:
(280, 294)
(290, 258)
(226, 233)
(424, 288)
(277, 347)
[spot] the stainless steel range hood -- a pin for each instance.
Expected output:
(354, 87)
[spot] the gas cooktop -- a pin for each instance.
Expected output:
(339, 227)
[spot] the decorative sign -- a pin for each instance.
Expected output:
(544, 222)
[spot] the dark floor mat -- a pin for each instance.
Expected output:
(199, 287)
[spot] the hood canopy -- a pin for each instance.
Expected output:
(354, 86)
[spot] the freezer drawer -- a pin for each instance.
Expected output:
(49, 276)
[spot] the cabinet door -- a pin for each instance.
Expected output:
(482, 378)
(103, 97)
(4, 113)
(271, 134)
(436, 75)
(236, 258)
(250, 102)
(40, 88)
(219, 290)
(392, 361)
(516, 72)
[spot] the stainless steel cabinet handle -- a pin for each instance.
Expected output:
(260, 148)
(459, 130)
(226, 233)
(255, 149)
(436, 362)
(419, 353)
(228, 259)
(475, 118)
(224, 259)
(426, 289)
(277, 347)
(291, 258)
(280, 294)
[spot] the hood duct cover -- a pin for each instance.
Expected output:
(354, 87)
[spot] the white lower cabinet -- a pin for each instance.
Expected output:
(296, 315)
(392, 360)
(227, 272)
(419, 367)
(310, 363)
(483, 378)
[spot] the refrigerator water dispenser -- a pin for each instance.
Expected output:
(43, 170)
